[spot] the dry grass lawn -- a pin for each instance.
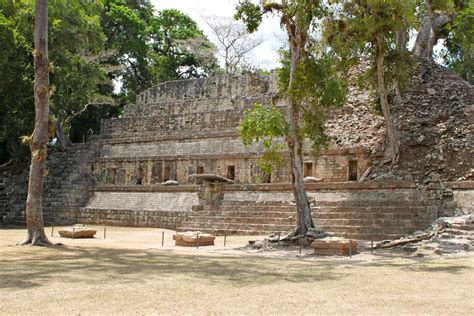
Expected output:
(130, 273)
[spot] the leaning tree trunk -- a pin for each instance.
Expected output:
(393, 139)
(39, 139)
(426, 38)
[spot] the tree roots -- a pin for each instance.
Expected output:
(37, 242)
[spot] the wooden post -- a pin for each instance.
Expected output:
(225, 240)
(350, 248)
(162, 238)
(372, 241)
(105, 232)
(52, 230)
(73, 232)
(299, 241)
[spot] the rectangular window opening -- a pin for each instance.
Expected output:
(199, 170)
(352, 170)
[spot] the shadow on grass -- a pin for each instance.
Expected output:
(73, 264)
(68, 264)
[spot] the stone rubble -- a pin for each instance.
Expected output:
(435, 120)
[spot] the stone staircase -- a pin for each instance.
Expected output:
(65, 187)
(357, 219)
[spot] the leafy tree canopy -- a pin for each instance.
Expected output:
(91, 44)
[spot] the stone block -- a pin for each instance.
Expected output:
(193, 239)
(77, 232)
(334, 246)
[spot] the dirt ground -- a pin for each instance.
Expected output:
(130, 272)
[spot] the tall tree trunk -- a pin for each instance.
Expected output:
(393, 139)
(304, 219)
(401, 42)
(39, 139)
(295, 146)
(426, 38)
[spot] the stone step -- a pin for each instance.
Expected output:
(273, 214)
(326, 212)
(402, 223)
(365, 215)
(362, 229)
(238, 220)
(339, 202)
(465, 227)
(225, 232)
(253, 227)
(367, 208)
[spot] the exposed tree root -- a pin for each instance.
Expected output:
(286, 239)
(37, 242)
(404, 241)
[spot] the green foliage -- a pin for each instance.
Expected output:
(360, 30)
(125, 25)
(16, 81)
(459, 51)
(76, 41)
(265, 124)
(92, 43)
(314, 86)
(179, 49)
(318, 86)
(87, 123)
(250, 14)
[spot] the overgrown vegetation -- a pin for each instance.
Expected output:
(93, 44)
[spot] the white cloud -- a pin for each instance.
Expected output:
(265, 55)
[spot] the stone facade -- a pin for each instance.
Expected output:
(182, 128)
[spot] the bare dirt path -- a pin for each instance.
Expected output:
(130, 272)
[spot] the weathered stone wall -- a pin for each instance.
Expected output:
(165, 124)
(181, 163)
(220, 91)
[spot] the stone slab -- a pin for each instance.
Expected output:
(77, 232)
(334, 246)
(193, 239)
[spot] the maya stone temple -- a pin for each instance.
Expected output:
(143, 169)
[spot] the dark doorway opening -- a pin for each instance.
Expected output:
(308, 169)
(231, 172)
(140, 175)
(166, 174)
